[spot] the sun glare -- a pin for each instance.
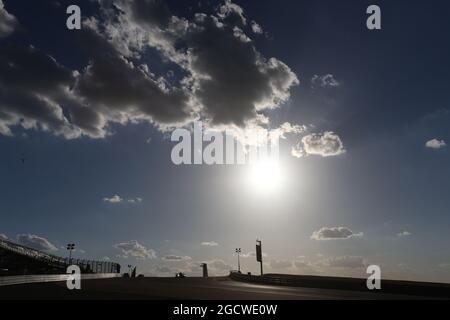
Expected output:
(265, 176)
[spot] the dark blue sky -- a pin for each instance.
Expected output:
(389, 99)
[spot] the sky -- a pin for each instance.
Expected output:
(363, 116)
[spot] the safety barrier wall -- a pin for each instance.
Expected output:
(262, 279)
(12, 280)
(424, 289)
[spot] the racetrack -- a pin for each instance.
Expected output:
(220, 288)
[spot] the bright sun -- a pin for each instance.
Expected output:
(265, 176)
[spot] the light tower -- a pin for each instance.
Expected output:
(70, 247)
(238, 251)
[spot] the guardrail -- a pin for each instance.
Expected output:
(424, 289)
(262, 279)
(13, 280)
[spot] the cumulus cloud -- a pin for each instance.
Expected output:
(324, 81)
(114, 199)
(342, 265)
(36, 242)
(280, 264)
(209, 244)
(325, 144)
(176, 258)
(135, 200)
(231, 10)
(154, 13)
(123, 92)
(134, 249)
(163, 269)
(219, 266)
(119, 86)
(252, 254)
(303, 264)
(235, 94)
(335, 233)
(435, 144)
(256, 28)
(345, 262)
(29, 100)
(8, 22)
(404, 234)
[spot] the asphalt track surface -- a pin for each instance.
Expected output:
(222, 288)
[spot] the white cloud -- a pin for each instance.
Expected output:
(325, 144)
(36, 242)
(303, 264)
(114, 199)
(404, 234)
(345, 262)
(134, 249)
(335, 233)
(219, 266)
(118, 87)
(135, 200)
(338, 265)
(163, 270)
(209, 244)
(176, 258)
(325, 81)
(252, 254)
(256, 28)
(435, 144)
(230, 8)
(3, 236)
(280, 264)
(8, 22)
(31, 101)
(118, 199)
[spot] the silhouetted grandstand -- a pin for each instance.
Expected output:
(16, 259)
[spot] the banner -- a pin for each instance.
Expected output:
(258, 253)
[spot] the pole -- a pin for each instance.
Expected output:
(238, 251)
(70, 247)
(262, 273)
(239, 263)
(259, 256)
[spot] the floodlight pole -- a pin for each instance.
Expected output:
(238, 251)
(70, 247)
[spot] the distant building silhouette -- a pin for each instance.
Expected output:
(205, 270)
